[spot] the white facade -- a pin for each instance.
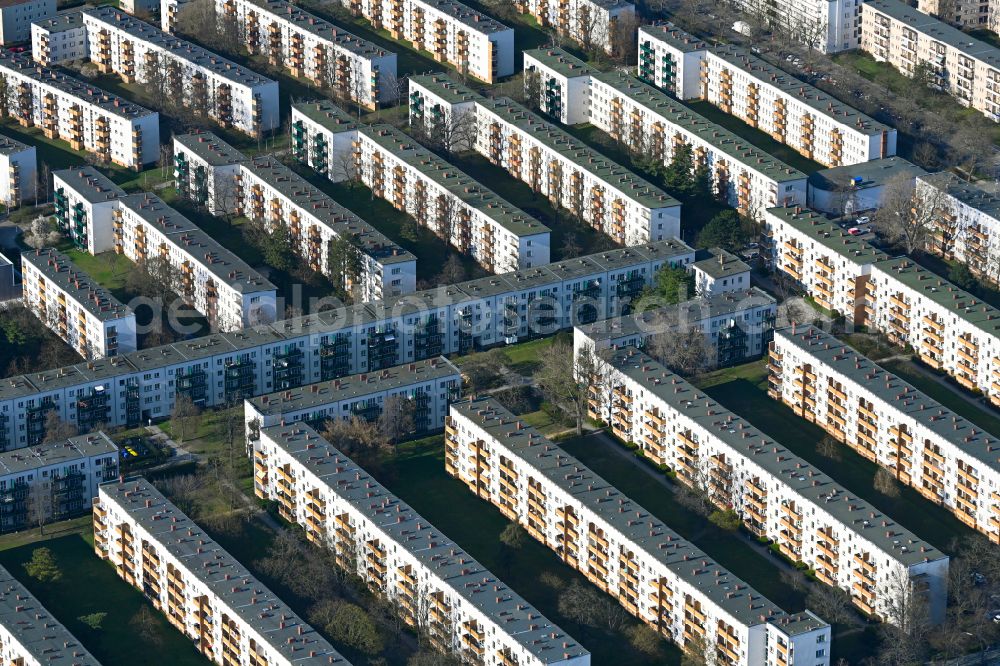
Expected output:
(224, 91)
(671, 59)
(619, 546)
(433, 582)
(85, 200)
(471, 42)
(561, 86)
(926, 446)
(651, 123)
(777, 494)
(17, 16)
(308, 46)
(605, 195)
(81, 312)
(438, 195)
(592, 23)
(454, 319)
(964, 67)
(829, 26)
(202, 590)
(18, 173)
(89, 118)
(719, 272)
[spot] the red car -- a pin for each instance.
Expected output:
(18, 49)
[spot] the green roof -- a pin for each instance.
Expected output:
(819, 228)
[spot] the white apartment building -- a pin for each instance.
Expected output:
(18, 172)
(559, 85)
(793, 112)
(471, 42)
(737, 326)
(216, 282)
(209, 85)
(215, 174)
(925, 445)
(949, 329)
(827, 263)
(431, 385)
(601, 193)
(592, 23)
(85, 201)
(221, 368)
(621, 547)
(16, 17)
(717, 271)
(74, 307)
(829, 26)
(435, 585)
(965, 68)
(62, 475)
(307, 46)
(967, 228)
(90, 119)
(975, 14)
(30, 635)
(202, 590)
(778, 495)
(651, 123)
(439, 196)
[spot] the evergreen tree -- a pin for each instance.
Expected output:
(679, 174)
(726, 230)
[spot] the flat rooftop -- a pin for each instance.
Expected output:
(90, 184)
(718, 263)
(864, 175)
(306, 22)
(560, 62)
(65, 452)
(670, 34)
(69, 19)
(982, 195)
(60, 272)
(208, 147)
(202, 248)
(407, 530)
(9, 146)
(467, 16)
(42, 637)
(929, 285)
(809, 483)
(819, 228)
(327, 114)
(971, 440)
(656, 540)
(245, 597)
(354, 387)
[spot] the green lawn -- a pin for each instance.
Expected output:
(92, 586)
(988, 420)
(744, 391)
(417, 475)
(759, 139)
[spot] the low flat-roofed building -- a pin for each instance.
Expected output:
(717, 271)
(72, 305)
(202, 590)
(858, 188)
(620, 546)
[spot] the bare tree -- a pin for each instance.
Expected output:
(907, 218)
(686, 352)
(40, 503)
(57, 430)
(185, 418)
(398, 418)
(563, 381)
(624, 38)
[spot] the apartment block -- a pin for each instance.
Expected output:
(434, 584)
(307, 46)
(965, 68)
(80, 311)
(202, 590)
(85, 201)
(591, 23)
(217, 175)
(30, 635)
(431, 385)
(737, 326)
(208, 84)
(58, 478)
(975, 14)
(18, 173)
(793, 112)
(221, 368)
(717, 271)
(216, 282)
(967, 221)
(9, 289)
(471, 42)
(559, 86)
(17, 16)
(90, 119)
(829, 26)
(603, 194)
(886, 420)
(621, 547)
(651, 123)
(439, 196)
(830, 265)
(949, 329)
(778, 495)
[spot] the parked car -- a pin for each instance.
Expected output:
(855, 231)
(864, 219)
